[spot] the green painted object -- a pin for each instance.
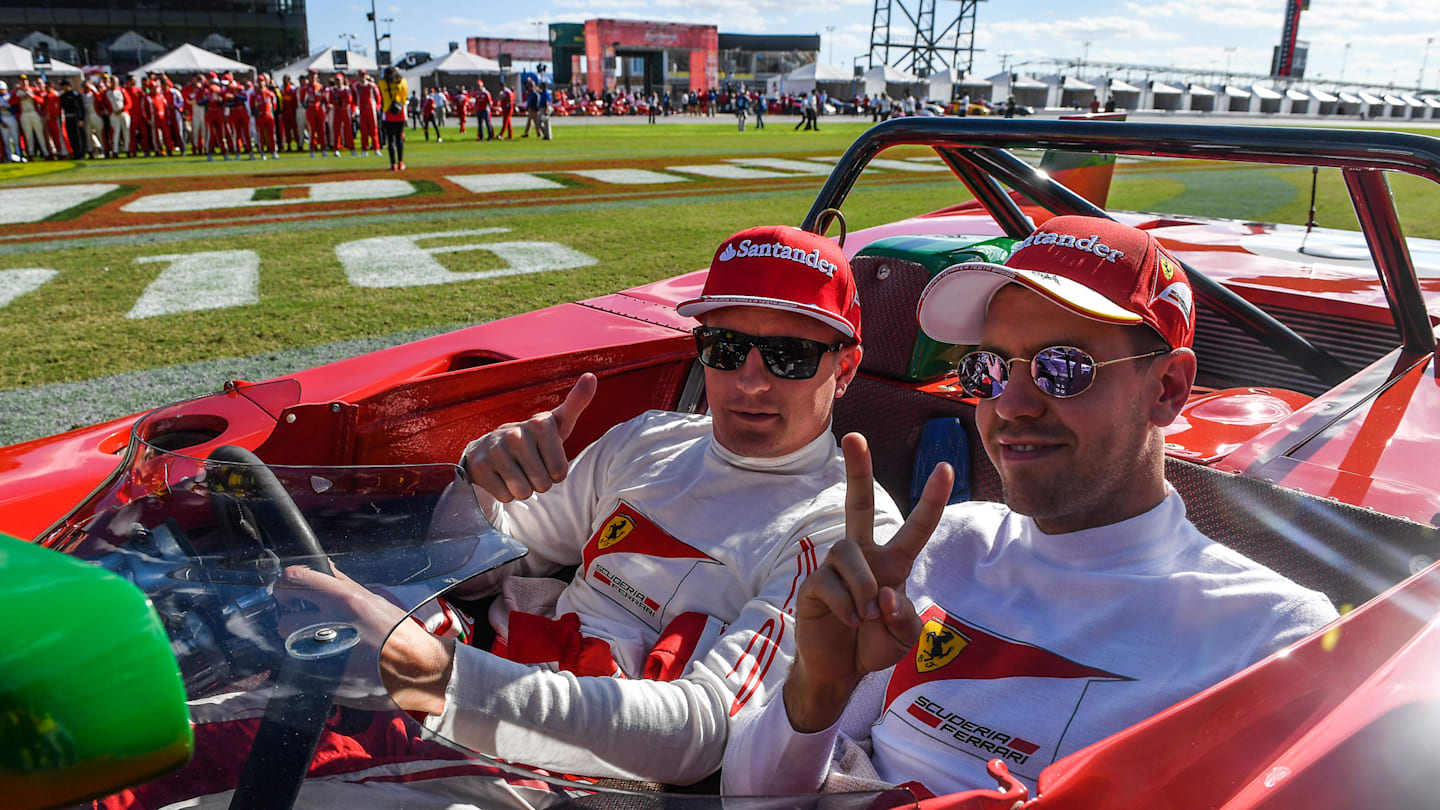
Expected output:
(91, 698)
(931, 359)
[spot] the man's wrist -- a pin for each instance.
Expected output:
(416, 667)
(814, 704)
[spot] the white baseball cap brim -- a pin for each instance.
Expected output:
(953, 305)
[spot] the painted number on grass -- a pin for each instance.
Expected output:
(21, 280)
(400, 261)
(195, 281)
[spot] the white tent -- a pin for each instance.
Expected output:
(1231, 91)
(1122, 86)
(949, 83)
(188, 60)
(1201, 97)
(1296, 95)
(1163, 89)
(129, 47)
(1322, 96)
(889, 81)
(1371, 99)
(455, 67)
(58, 47)
(15, 60)
(324, 64)
(804, 78)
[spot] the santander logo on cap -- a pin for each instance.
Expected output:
(778, 250)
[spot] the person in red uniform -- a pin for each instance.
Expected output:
(367, 97)
(507, 110)
(54, 120)
(215, 119)
(139, 136)
(315, 114)
(262, 104)
(342, 115)
(101, 102)
(289, 101)
(158, 111)
(194, 94)
(175, 110)
(237, 116)
(461, 103)
(483, 128)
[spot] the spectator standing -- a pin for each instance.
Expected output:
(262, 103)
(1010, 107)
(10, 150)
(484, 130)
(342, 115)
(542, 113)
(72, 105)
(531, 100)
(461, 100)
(119, 105)
(964, 105)
(760, 102)
(742, 107)
(94, 125)
(367, 97)
(650, 104)
(432, 113)
(315, 115)
(393, 92)
(414, 106)
(507, 111)
(54, 121)
(291, 115)
(1094, 104)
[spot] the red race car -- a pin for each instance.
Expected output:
(1304, 447)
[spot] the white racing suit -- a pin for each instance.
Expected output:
(1034, 646)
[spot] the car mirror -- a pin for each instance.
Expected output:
(91, 699)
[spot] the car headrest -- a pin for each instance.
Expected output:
(890, 274)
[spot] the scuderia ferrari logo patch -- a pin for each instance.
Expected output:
(938, 646)
(636, 563)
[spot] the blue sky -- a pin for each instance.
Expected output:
(1387, 38)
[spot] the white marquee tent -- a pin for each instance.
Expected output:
(324, 64)
(890, 81)
(806, 77)
(454, 68)
(188, 60)
(15, 60)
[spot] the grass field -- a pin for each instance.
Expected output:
(74, 327)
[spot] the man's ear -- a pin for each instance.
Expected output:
(849, 364)
(1174, 375)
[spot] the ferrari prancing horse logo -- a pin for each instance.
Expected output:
(619, 526)
(939, 644)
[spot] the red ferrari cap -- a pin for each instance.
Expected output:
(1093, 267)
(783, 268)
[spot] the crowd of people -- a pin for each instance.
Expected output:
(110, 117)
(212, 113)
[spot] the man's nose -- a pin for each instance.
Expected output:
(754, 377)
(1021, 398)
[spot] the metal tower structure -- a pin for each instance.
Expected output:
(911, 40)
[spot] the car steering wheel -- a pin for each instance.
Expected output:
(280, 525)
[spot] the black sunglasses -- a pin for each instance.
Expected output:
(1060, 371)
(789, 358)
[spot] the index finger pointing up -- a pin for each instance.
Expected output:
(859, 490)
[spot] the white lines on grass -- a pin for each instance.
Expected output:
(783, 164)
(725, 171)
(196, 281)
(629, 177)
(343, 191)
(38, 202)
(892, 165)
(21, 280)
(399, 261)
(502, 181)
